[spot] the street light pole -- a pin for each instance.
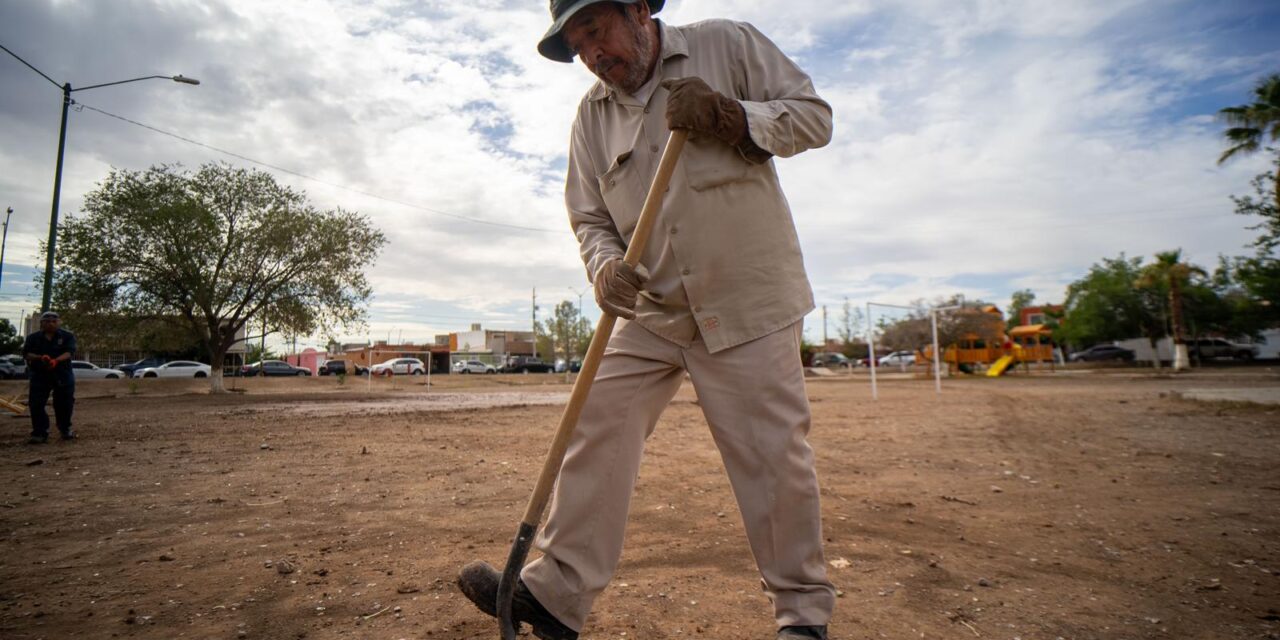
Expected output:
(47, 296)
(4, 238)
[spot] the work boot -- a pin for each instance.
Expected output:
(37, 439)
(479, 583)
(803, 633)
(69, 435)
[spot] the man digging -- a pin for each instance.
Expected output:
(720, 294)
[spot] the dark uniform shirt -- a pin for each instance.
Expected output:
(38, 345)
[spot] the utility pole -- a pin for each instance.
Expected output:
(581, 319)
(824, 327)
(3, 239)
(534, 305)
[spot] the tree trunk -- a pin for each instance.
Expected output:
(1175, 314)
(1277, 189)
(216, 355)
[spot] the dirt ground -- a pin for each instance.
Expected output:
(1080, 505)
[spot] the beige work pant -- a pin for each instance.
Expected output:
(753, 397)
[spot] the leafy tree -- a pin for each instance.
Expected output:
(567, 332)
(1105, 305)
(907, 334)
(1171, 276)
(1249, 125)
(1020, 300)
(211, 249)
(10, 341)
(1255, 296)
(1263, 207)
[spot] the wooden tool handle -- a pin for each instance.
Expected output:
(604, 329)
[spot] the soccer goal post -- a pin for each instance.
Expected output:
(874, 363)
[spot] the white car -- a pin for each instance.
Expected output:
(88, 371)
(897, 359)
(175, 369)
(18, 363)
(473, 366)
(399, 366)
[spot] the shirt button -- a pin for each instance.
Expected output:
(653, 148)
(646, 109)
(686, 272)
(697, 309)
(613, 183)
(674, 231)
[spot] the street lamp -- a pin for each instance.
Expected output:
(3, 239)
(67, 90)
(57, 175)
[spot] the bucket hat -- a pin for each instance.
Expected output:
(552, 45)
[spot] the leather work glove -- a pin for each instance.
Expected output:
(695, 106)
(49, 363)
(617, 284)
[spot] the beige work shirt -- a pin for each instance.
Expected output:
(724, 257)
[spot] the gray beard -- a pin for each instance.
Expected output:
(642, 52)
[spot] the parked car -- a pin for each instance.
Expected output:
(830, 359)
(1102, 353)
(130, 368)
(399, 366)
(272, 368)
(17, 365)
(7, 372)
(527, 364)
(473, 366)
(88, 371)
(897, 359)
(573, 366)
(1208, 348)
(175, 369)
(340, 367)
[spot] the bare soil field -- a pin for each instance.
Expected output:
(1078, 505)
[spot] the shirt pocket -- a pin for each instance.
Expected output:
(623, 191)
(709, 163)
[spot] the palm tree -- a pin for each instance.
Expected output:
(1250, 125)
(1170, 273)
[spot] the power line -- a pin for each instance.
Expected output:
(319, 180)
(30, 66)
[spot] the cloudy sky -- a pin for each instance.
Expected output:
(981, 146)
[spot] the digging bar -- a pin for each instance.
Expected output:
(581, 387)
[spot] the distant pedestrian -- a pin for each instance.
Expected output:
(48, 353)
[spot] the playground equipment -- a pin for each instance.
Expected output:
(1001, 366)
(999, 352)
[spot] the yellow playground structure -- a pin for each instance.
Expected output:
(994, 349)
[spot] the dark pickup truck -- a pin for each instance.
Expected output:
(340, 367)
(1209, 348)
(526, 364)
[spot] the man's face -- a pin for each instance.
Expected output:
(48, 325)
(615, 44)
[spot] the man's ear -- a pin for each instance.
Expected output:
(642, 13)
